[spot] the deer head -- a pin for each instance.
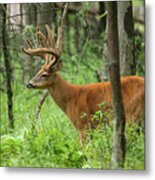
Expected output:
(50, 51)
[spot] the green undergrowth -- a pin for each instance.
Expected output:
(52, 141)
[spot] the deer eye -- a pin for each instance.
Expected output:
(44, 75)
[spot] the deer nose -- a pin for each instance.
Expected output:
(30, 85)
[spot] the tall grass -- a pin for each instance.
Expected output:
(52, 141)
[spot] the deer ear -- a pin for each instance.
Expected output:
(59, 65)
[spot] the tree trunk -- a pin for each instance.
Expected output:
(103, 73)
(30, 18)
(1, 24)
(77, 34)
(126, 38)
(7, 66)
(68, 34)
(21, 17)
(102, 25)
(105, 56)
(118, 150)
(30, 11)
(44, 14)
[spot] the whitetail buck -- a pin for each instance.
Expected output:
(76, 100)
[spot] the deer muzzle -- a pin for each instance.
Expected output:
(30, 85)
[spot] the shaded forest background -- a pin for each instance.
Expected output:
(33, 143)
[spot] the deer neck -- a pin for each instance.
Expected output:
(60, 90)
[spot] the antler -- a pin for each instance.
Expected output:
(45, 46)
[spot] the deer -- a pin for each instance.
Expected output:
(80, 102)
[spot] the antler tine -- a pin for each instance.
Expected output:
(29, 43)
(40, 52)
(30, 50)
(43, 48)
(50, 38)
(37, 37)
(59, 40)
(40, 35)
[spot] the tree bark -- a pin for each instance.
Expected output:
(44, 14)
(7, 66)
(68, 35)
(77, 34)
(102, 24)
(1, 24)
(30, 11)
(118, 150)
(103, 73)
(126, 38)
(21, 17)
(30, 19)
(105, 56)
